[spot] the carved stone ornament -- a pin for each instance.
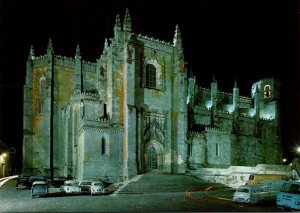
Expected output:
(153, 131)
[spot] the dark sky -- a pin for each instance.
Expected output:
(245, 40)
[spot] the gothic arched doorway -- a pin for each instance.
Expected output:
(151, 159)
(154, 158)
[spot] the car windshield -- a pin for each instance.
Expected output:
(98, 184)
(71, 184)
(85, 183)
(39, 185)
(291, 188)
(245, 190)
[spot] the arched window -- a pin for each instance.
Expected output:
(150, 76)
(42, 95)
(267, 91)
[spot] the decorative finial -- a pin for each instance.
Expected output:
(127, 21)
(117, 27)
(105, 44)
(31, 53)
(118, 21)
(77, 56)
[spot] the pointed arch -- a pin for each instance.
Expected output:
(154, 155)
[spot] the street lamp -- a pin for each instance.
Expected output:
(298, 149)
(2, 161)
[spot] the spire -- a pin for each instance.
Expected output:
(235, 98)
(127, 21)
(31, 53)
(49, 69)
(117, 27)
(214, 78)
(78, 72)
(177, 43)
(177, 37)
(49, 47)
(235, 84)
(77, 56)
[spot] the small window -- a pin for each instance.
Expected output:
(42, 95)
(150, 76)
(104, 146)
(217, 149)
(189, 150)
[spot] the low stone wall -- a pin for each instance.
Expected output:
(235, 176)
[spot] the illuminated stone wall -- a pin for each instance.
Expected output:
(244, 128)
(134, 110)
(108, 102)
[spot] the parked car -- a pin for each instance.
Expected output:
(255, 193)
(39, 189)
(23, 183)
(85, 185)
(70, 187)
(289, 196)
(97, 187)
(36, 178)
(58, 181)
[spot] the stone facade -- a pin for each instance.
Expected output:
(135, 110)
(227, 129)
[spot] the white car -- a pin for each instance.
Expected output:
(70, 187)
(254, 193)
(97, 187)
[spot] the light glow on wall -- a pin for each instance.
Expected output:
(208, 104)
(252, 112)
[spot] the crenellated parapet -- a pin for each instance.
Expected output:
(92, 96)
(217, 129)
(195, 134)
(201, 108)
(101, 126)
(153, 43)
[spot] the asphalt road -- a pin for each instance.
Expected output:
(151, 192)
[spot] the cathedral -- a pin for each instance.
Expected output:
(137, 109)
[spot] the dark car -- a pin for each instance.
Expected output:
(36, 178)
(85, 185)
(23, 183)
(58, 181)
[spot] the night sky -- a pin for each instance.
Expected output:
(245, 40)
